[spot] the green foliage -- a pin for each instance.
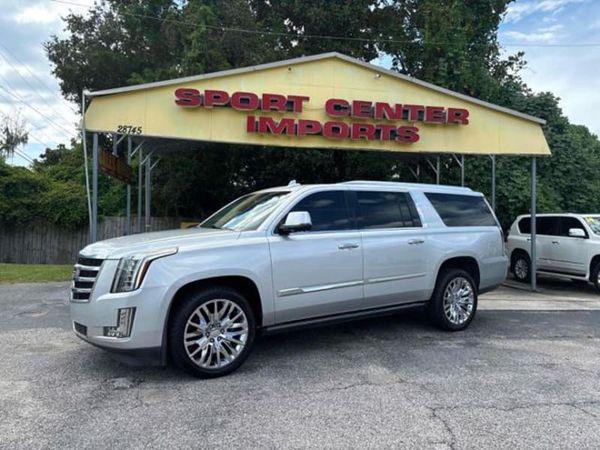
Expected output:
(20, 191)
(53, 191)
(451, 43)
(64, 203)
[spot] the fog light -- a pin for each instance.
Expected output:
(124, 324)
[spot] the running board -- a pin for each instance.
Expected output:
(340, 318)
(563, 275)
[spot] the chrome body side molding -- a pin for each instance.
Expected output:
(327, 287)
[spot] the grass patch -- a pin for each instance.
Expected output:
(34, 273)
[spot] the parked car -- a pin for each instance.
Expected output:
(567, 246)
(285, 258)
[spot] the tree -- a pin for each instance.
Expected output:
(451, 43)
(13, 134)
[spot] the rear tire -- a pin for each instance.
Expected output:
(521, 267)
(454, 301)
(211, 332)
(596, 276)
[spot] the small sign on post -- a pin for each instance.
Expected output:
(115, 167)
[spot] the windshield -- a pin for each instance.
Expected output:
(594, 223)
(247, 212)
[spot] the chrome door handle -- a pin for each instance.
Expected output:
(555, 242)
(347, 246)
(416, 241)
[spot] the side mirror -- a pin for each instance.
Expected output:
(576, 233)
(296, 221)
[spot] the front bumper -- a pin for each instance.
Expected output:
(151, 356)
(146, 338)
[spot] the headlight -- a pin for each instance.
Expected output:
(132, 269)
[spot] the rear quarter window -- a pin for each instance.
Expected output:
(462, 210)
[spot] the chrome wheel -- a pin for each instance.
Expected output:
(521, 269)
(215, 334)
(459, 300)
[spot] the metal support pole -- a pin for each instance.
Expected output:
(147, 192)
(139, 192)
(416, 172)
(435, 168)
(128, 205)
(115, 145)
(461, 163)
(533, 224)
(85, 163)
(493, 182)
(94, 227)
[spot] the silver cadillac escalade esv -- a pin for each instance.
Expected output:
(283, 258)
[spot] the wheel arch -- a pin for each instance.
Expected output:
(595, 260)
(517, 251)
(467, 263)
(242, 284)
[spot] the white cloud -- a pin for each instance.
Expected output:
(518, 11)
(545, 35)
(568, 71)
(569, 75)
(551, 28)
(39, 14)
(24, 26)
(45, 13)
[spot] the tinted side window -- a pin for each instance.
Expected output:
(385, 210)
(566, 223)
(328, 211)
(525, 225)
(462, 210)
(545, 226)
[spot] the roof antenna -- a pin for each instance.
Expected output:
(293, 183)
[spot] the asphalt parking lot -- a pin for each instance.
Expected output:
(521, 376)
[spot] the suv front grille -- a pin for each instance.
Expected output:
(84, 276)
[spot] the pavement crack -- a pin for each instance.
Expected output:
(576, 405)
(435, 414)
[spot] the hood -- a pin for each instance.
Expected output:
(147, 242)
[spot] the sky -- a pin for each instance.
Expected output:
(560, 38)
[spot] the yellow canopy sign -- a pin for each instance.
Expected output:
(322, 101)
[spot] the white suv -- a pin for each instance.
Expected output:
(284, 258)
(567, 246)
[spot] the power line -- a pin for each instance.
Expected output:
(38, 141)
(56, 126)
(31, 86)
(23, 155)
(41, 82)
(29, 134)
(325, 37)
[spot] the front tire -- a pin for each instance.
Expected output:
(521, 267)
(454, 301)
(596, 276)
(211, 332)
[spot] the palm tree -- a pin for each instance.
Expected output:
(12, 134)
